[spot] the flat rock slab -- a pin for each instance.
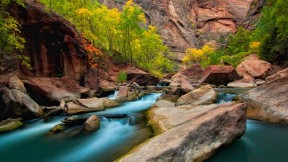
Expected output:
(197, 137)
(202, 96)
(269, 102)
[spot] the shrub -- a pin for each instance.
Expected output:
(121, 77)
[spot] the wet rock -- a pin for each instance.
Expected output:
(107, 103)
(74, 121)
(92, 124)
(57, 128)
(91, 103)
(20, 103)
(269, 101)
(56, 89)
(219, 75)
(63, 104)
(202, 96)
(126, 94)
(168, 97)
(192, 133)
(122, 94)
(73, 108)
(52, 111)
(10, 125)
(164, 103)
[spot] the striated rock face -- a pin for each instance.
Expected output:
(189, 23)
(51, 44)
(192, 133)
(269, 102)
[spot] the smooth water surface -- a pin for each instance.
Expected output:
(114, 138)
(262, 142)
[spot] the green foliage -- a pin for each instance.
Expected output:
(121, 77)
(10, 40)
(236, 59)
(113, 30)
(239, 42)
(272, 30)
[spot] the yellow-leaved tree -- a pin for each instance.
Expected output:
(195, 55)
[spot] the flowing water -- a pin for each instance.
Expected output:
(262, 142)
(114, 138)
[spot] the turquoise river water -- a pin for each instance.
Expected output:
(262, 142)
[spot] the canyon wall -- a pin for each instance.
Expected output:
(191, 23)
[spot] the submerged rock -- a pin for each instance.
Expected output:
(91, 124)
(10, 125)
(191, 133)
(202, 96)
(269, 102)
(57, 128)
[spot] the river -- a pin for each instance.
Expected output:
(263, 142)
(114, 138)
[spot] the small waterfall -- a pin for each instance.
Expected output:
(113, 96)
(225, 97)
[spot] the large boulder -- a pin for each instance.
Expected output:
(202, 96)
(253, 69)
(191, 74)
(56, 89)
(126, 94)
(20, 104)
(73, 108)
(192, 133)
(91, 103)
(91, 124)
(219, 75)
(269, 102)
(141, 77)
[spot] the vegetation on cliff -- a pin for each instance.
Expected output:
(11, 42)
(121, 33)
(269, 40)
